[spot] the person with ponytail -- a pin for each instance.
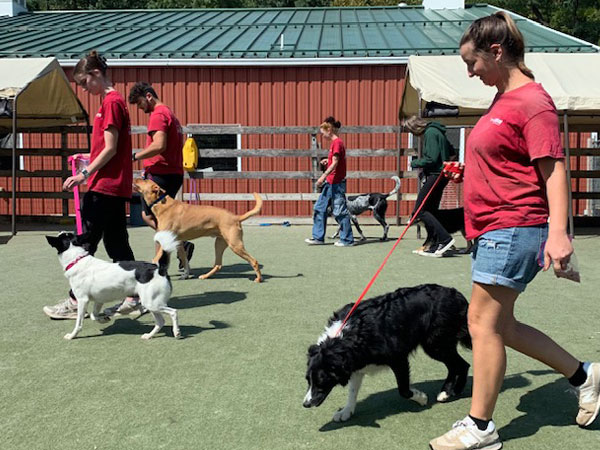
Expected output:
(109, 175)
(516, 208)
(333, 182)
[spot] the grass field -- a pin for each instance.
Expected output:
(237, 379)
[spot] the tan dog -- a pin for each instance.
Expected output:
(193, 221)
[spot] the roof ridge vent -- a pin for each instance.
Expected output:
(444, 4)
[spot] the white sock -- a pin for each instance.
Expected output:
(586, 367)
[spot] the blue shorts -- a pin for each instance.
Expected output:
(509, 257)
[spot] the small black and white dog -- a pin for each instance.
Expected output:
(384, 331)
(376, 202)
(99, 281)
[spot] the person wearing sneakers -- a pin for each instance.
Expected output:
(333, 182)
(162, 158)
(436, 150)
(109, 174)
(515, 199)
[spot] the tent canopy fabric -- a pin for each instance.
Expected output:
(46, 98)
(571, 80)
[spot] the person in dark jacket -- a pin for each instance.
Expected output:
(436, 150)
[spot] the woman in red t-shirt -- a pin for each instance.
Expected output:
(109, 174)
(515, 200)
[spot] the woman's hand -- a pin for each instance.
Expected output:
(73, 181)
(558, 251)
(454, 170)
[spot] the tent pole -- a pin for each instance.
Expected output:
(14, 167)
(568, 165)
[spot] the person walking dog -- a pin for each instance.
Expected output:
(515, 201)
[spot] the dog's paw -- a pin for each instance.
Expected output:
(147, 336)
(419, 397)
(443, 397)
(69, 336)
(342, 415)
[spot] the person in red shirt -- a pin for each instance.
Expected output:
(333, 181)
(162, 158)
(515, 200)
(109, 173)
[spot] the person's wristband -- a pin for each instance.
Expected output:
(85, 174)
(133, 158)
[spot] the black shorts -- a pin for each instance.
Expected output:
(169, 182)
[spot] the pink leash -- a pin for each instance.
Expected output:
(364, 292)
(73, 162)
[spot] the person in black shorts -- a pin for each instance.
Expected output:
(162, 157)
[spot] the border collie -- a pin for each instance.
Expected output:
(384, 331)
(98, 281)
(376, 202)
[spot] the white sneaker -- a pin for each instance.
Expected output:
(343, 244)
(589, 397)
(65, 309)
(311, 241)
(465, 435)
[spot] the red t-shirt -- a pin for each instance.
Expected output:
(503, 187)
(171, 160)
(339, 173)
(116, 176)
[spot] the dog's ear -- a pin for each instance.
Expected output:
(53, 241)
(313, 350)
(83, 240)
(60, 242)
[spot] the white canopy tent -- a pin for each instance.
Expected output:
(571, 79)
(35, 94)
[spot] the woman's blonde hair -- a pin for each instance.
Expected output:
(331, 123)
(499, 28)
(416, 125)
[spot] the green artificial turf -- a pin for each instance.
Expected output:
(237, 379)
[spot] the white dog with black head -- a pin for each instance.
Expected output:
(98, 281)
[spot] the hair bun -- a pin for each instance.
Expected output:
(334, 123)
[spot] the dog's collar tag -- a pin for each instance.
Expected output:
(158, 200)
(72, 263)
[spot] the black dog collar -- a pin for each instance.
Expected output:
(158, 200)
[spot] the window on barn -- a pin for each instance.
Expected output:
(5, 142)
(219, 141)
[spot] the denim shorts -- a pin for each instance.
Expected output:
(509, 257)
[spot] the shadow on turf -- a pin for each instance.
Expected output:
(135, 327)
(235, 271)
(206, 299)
(4, 239)
(549, 405)
(389, 403)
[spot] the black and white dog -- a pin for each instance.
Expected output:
(376, 202)
(384, 331)
(98, 281)
(453, 220)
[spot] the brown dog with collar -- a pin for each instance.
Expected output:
(193, 221)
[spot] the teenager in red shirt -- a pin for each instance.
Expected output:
(162, 157)
(515, 199)
(333, 181)
(109, 173)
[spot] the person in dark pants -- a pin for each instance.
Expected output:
(162, 157)
(436, 150)
(109, 175)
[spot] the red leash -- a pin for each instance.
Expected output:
(412, 219)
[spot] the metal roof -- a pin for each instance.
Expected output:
(232, 36)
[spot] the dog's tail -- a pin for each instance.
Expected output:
(168, 242)
(396, 188)
(464, 337)
(254, 211)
